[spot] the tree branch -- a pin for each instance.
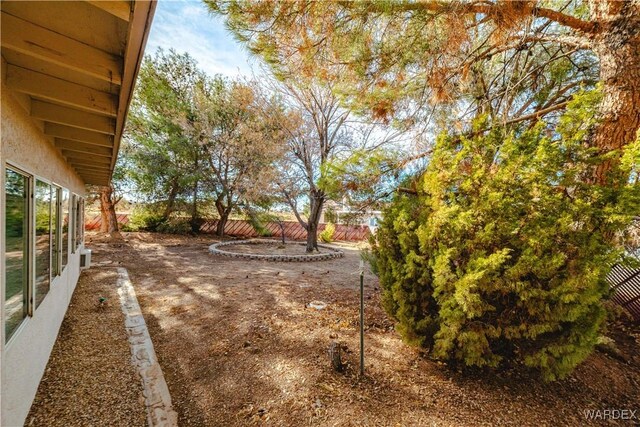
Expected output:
(564, 19)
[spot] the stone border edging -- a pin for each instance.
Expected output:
(157, 399)
(336, 253)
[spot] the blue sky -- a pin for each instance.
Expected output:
(187, 26)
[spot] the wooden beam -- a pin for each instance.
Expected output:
(90, 158)
(72, 117)
(90, 173)
(81, 147)
(86, 164)
(75, 134)
(120, 9)
(93, 175)
(32, 40)
(75, 19)
(139, 27)
(95, 180)
(92, 170)
(57, 90)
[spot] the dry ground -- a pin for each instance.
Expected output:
(239, 346)
(272, 248)
(89, 380)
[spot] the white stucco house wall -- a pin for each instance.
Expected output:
(68, 71)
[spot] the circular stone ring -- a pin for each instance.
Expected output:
(218, 249)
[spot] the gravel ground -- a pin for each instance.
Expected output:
(89, 380)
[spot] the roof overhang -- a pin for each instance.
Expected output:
(77, 63)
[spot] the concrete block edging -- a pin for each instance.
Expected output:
(216, 250)
(160, 412)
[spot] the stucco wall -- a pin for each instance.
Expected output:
(24, 358)
(25, 145)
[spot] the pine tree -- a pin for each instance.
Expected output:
(502, 254)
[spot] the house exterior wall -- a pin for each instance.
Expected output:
(24, 358)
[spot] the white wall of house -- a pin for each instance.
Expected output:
(24, 358)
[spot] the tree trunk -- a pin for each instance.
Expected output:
(281, 225)
(617, 45)
(108, 215)
(223, 213)
(316, 201)
(173, 193)
(222, 222)
(195, 220)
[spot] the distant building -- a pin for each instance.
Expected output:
(345, 214)
(68, 71)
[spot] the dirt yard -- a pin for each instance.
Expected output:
(240, 346)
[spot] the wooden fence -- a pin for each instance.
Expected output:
(292, 229)
(95, 222)
(625, 283)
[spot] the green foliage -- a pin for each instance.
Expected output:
(176, 226)
(258, 225)
(368, 256)
(193, 139)
(502, 256)
(326, 235)
(144, 219)
(352, 218)
(330, 215)
(160, 158)
(42, 218)
(390, 59)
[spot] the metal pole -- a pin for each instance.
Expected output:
(361, 318)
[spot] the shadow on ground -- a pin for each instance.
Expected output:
(239, 346)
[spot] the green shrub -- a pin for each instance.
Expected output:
(176, 226)
(368, 256)
(144, 219)
(501, 258)
(195, 224)
(330, 215)
(326, 235)
(257, 223)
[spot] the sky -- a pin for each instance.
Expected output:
(187, 26)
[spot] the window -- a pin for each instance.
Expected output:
(56, 241)
(36, 231)
(79, 221)
(76, 222)
(73, 223)
(43, 240)
(65, 228)
(16, 256)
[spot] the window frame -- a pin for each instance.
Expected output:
(37, 178)
(56, 249)
(81, 207)
(28, 252)
(65, 246)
